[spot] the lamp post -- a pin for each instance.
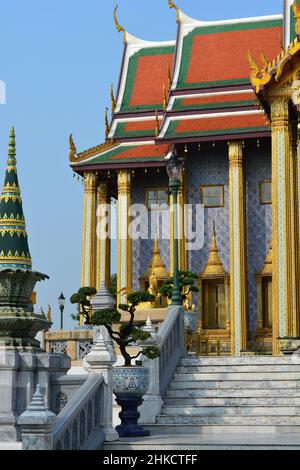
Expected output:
(61, 303)
(174, 170)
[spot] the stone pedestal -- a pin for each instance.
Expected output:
(20, 372)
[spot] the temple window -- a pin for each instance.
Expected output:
(266, 192)
(156, 197)
(212, 196)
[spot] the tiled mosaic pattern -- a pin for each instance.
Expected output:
(259, 220)
(142, 249)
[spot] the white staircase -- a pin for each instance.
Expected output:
(251, 394)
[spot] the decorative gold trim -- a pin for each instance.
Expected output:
(214, 267)
(112, 99)
(165, 103)
(157, 127)
(107, 126)
(296, 11)
(172, 5)
(73, 150)
(118, 26)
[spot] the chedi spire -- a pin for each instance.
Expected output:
(14, 250)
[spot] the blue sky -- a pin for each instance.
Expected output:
(58, 59)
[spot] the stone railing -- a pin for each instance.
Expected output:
(85, 420)
(170, 340)
(78, 426)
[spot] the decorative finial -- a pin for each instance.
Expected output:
(112, 99)
(253, 65)
(296, 11)
(172, 5)
(164, 97)
(49, 314)
(169, 77)
(73, 150)
(118, 26)
(12, 143)
(107, 128)
(157, 128)
(264, 59)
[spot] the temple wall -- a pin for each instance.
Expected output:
(259, 219)
(142, 249)
(209, 166)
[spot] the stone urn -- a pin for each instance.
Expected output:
(130, 384)
(289, 346)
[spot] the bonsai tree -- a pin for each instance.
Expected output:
(81, 298)
(187, 284)
(129, 333)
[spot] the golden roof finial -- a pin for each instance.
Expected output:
(157, 128)
(214, 266)
(118, 26)
(264, 59)
(49, 314)
(164, 97)
(253, 65)
(73, 150)
(107, 128)
(172, 5)
(169, 77)
(296, 11)
(112, 99)
(156, 266)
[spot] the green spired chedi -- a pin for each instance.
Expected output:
(19, 324)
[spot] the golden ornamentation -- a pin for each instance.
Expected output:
(49, 314)
(73, 150)
(164, 97)
(109, 144)
(157, 127)
(112, 99)
(296, 11)
(254, 68)
(107, 126)
(214, 266)
(169, 77)
(264, 60)
(118, 26)
(172, 5)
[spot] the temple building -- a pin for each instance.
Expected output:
(224, 95)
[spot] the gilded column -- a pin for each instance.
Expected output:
(103, 236)
(88, 269)
(283, 293)
(180, 231)
(238, 282)
(124, 276)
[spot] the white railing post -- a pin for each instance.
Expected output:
(37, 424)
(100, 361)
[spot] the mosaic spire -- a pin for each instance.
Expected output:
(14, 251)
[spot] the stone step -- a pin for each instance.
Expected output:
(234, 410)
(241, 376)
(215, 441)
(232, 420)
(280, 431)
(232, 401)
(244, 385)
(206, 368)
(178, 393)
(242, 361)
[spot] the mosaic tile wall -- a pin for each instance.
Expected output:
(142, 249)
(259, 220)
(210, 166)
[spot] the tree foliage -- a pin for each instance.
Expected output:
(187, 284)
(82, 299)
(129, 333)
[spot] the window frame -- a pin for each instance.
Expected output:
(203, 186)
(165, 189)
(261, 200)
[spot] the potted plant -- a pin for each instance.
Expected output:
(82, 299)
(130, 381)
(187, 285)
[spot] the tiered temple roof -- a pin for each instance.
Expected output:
(195, 89)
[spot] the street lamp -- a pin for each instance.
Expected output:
(174, 170)
(61, 303)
